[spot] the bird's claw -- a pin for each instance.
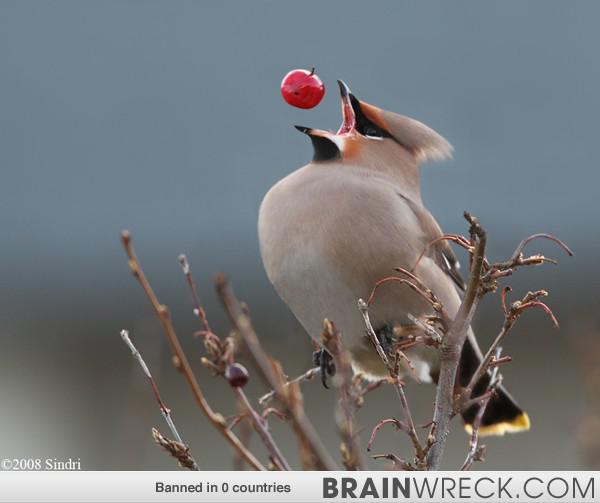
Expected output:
(323, 359)
(386, 339)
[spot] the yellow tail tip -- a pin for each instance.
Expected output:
(519, 423)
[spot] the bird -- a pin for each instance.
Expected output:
(334, 227)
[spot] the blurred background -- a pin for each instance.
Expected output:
(165, 118)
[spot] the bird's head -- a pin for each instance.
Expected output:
(369, 135)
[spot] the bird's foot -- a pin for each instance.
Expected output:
(385, 336)
(323, 359)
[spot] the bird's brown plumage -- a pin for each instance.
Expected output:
(330, 230)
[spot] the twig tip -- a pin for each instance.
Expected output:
(183, 262)
(125, 236)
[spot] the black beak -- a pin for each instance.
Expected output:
(303, 129)
(325, 149)
(344, 89)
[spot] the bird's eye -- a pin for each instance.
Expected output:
(373, 132)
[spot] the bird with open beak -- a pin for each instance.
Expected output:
(331, 229)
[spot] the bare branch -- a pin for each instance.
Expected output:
(347, 406)
(452, 346)
(181, 360)
(262, 430)
(456, 238)
(527, 240)
(223, 364)
(427, 327)
(399, 464)
(245, 435)
(416, 285)
(198, 309)
(475, 451)
(435, 329)
(380, 424)
(164, 410)
(287, 395)
(307, 376)
(511, 314)
(398, 385)
(177, 449)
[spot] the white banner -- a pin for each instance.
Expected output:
(297, 487)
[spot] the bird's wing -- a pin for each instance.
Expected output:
(440, 251)
(444, 257)
(448, 261)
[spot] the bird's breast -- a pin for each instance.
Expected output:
(326, 238)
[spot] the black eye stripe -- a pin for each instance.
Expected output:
(363, 125)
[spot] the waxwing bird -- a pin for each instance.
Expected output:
(331, 229)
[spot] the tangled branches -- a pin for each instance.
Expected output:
(449, 335)
(284, 401)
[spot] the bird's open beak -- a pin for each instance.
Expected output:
(314, 132)
(348, 115)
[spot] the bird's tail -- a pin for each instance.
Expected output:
(502, 414)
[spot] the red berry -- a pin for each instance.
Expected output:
(302, 88)
(237, 375)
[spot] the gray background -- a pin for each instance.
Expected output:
(165, 118)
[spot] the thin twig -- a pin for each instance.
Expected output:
(511, 315)
(273, 411)
(237, 419)
(245, 435)
(451, 347)
(493, 272)
(475, 451)
(223, 354)
(261, 428)
(399, 464)
(435, 337)
(380, 424)
(181, 360)
(178, 450)
(416, 285)
(550, 237)
(302, 426)
(164, 410)
(307, 376)
(371, 386)
(347, 405)
(398, 385)
(198, 309)
(456, 238)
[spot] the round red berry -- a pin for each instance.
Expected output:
(302, 88)
(237, 375)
